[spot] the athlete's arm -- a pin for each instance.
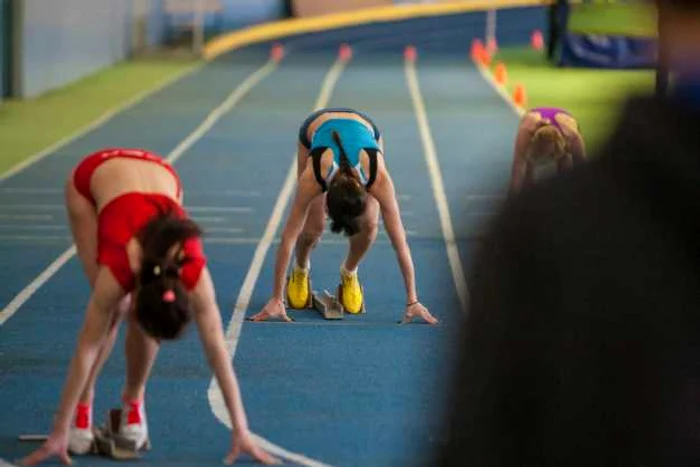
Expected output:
(383, 190)
(209, 326)
(101, 307)
(302, 158)
(307, 190)
(519, 171)
(576, 145)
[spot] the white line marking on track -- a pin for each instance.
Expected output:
(32, 191)
(32, 227)
(28, 217)
(217, 193)
(40, 280)
(225, 229)
(233, 330)
(101, 120)
(438, 185)
(215, 209)
(204, 219)
(232, 99)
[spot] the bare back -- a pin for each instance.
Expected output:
(118, 176)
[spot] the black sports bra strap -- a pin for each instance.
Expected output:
(372, 154)
(315, 155)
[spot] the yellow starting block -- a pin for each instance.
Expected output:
(327, 305)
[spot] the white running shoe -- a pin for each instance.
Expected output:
(80, 436)
(133, 425)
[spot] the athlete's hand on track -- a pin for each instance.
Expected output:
(417, 310)
(273, 310)
(243, 444)
(55, 445)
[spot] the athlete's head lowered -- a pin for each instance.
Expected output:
(347, 196)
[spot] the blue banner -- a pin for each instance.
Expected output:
(604, 51)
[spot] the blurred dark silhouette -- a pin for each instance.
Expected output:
(582, 345)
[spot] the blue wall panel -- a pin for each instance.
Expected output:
(245, 12)
(156, 24)
(64, 40)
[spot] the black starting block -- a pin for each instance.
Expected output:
(107, 443)
(327, 305)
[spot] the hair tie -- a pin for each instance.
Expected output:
(169, 296)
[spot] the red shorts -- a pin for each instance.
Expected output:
(83, 172)
(122, 218)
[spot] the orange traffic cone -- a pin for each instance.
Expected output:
(519, 96)
(410, 53)
(345, 52)
(485, 57)
(500, 73)
(476, 50)
(277, 52)
(537, 40)
(492, 46)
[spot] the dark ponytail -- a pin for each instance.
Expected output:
(162, 305)
(346, 198)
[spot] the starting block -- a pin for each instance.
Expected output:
(107, 443)
(327, 305)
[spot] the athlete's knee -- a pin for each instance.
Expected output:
(370, 228)
(121, 311)
(311, 235)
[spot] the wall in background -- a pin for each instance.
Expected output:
(307, 8)
(4, 44)
(239, 13)
(64, 40)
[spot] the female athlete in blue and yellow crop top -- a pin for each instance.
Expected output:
(341, 172)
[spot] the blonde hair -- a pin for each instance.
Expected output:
(547, 145)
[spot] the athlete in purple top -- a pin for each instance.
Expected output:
(546, 136)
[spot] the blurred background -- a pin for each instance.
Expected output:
(593, 51)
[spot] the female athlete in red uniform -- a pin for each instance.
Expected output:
(144, 261)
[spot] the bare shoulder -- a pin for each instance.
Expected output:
(307, 185)
(568, 124)
(530, 120)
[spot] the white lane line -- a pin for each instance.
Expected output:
(101, 120)
(205, 219)
(232, 99)
(438, 186)
(32, 227)
(28, 217)
(215, 209)
(218, 193)
(224, 230)
(40, 280)
(31, 191)
(233, 330)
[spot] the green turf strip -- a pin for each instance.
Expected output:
(27, 127)
(592, 96)
(614, 19)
